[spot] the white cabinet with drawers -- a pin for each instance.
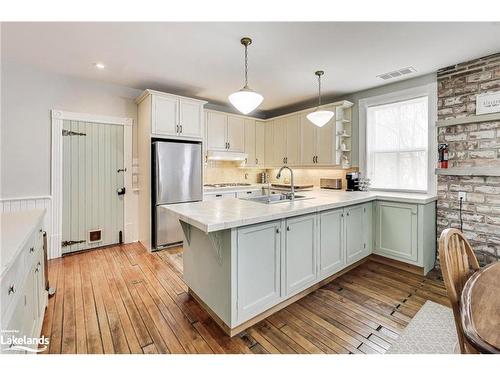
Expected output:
(23, 296)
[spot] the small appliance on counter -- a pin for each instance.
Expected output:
(330, 183)
(352, 181)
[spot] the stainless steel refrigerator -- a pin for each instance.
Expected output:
(177, 178)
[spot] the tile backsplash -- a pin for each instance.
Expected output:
(226, 171)
(216, 171)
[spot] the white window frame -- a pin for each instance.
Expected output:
(429, 90)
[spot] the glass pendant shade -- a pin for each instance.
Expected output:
(320, 117)
(245, 100)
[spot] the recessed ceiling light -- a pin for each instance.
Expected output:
(99, 65)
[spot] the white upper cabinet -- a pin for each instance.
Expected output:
(307, 140)
(225, 132)
(216, 131)
(165, 115)
(268, 143)
(174, 116)
(325, 143)
(190, 118)
(292, 140)
(236, 134)
(260, 141)
(250, 142)
(279, 142)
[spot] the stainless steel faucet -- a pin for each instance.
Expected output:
(291, 195)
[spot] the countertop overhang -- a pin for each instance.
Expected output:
(216, 215)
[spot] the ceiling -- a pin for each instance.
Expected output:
(205, 60)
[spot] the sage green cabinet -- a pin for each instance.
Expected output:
(396, 230)
(258, 268)
(331, 238)
(358, 232)
(300, 253)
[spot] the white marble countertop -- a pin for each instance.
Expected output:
(215, 215)
(16, 227)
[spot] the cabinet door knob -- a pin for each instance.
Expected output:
(277, 230)
(12, 289)
(288, 228)
(32, 249)
(348, 214)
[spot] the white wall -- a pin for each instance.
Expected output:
(27, 97)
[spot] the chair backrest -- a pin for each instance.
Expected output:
(458, 262)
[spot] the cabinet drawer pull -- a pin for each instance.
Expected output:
(12, 289)
(249, 192)
(180, 128)
(256, 161)
(218, 195)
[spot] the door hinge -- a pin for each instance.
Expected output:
(69, 133)
(69, 243)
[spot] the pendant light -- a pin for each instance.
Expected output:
(320, 116)
(246, 100)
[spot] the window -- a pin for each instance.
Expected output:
(397, 145)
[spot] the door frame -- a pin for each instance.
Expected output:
(58, 118)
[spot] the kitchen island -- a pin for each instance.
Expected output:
(244, 260)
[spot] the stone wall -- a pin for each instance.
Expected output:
(470, 145)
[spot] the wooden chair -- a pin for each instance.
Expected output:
(458, 263)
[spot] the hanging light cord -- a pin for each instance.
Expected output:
(319, 89)
(246, 66)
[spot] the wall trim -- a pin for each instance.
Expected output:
(58, 117)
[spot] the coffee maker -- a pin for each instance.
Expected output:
(352, 181)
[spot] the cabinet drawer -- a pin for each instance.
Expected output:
(30, 250)
(10, 285)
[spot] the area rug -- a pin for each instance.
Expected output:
(431, 331)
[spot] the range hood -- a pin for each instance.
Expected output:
(226, 155)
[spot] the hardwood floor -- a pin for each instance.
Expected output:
(123, 299)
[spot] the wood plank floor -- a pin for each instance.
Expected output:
(123, 299)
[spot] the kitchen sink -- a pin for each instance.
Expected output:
(275, 198)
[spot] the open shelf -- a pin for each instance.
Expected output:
(468, 119)
(471, 171)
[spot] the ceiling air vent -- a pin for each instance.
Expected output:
(397, 73)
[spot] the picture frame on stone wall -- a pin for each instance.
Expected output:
(488, 103)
